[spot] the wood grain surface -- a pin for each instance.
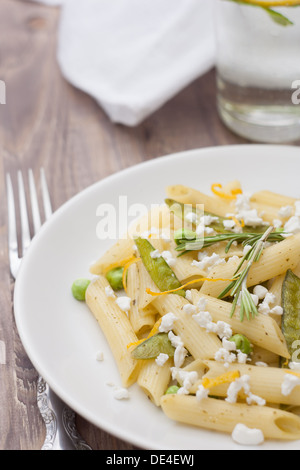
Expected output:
(48, 123)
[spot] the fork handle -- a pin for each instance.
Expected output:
(61, 432)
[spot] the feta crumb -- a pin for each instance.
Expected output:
(208, 262)
(155, 254)
(290, 381)
(223, 355)
(285, 212)
(185, 378)
(255, 399)
(201, 393)
(180, 351)
(99, 356)
(167, 323)
(229, 224)
(297, 208)
(120, 393)
(246, 249)
(188, 295)
(236, 386)
(124, 303)
(168, 257)
(223, 329)
(277, 310)
(294, 365)
(247, 436)
(161, 359)
(244, 211)
(261, 364)
(109, 292)
(191, 217)
(260, 291)
(190, 309)
(277, 223)
(292, 225)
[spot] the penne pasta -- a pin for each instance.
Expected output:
(116, 327)
(211, 413)
(154, 379)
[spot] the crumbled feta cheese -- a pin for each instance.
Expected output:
(241, 357)
(276, 223)
(204, 320)
(292, 225)
(180, 351)
(264, 307)
(99, 356)
(223, 329)
(208, 262)
(208, 219)
(229, 345)
(190, 309)
(229, 224)
(277, 310)
(188, 295)
(167, 322)
(255, 399)
(297, 208)
(294, 365)
(201, 393)
(109, 292)
(247, 436)
(261, 364)
(168, 257)
(260, 291)
(185, 378)
(246, 249)
(161, 359)
(191, 217)
(242, 383)
(245, 213)
(155, 254)
(290, 381)
(123, 302)
(120, 393)
(285, 212)
(223, 355)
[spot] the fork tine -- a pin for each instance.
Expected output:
(34, 203)
(24, 215)
(12, 226)
(45, 194)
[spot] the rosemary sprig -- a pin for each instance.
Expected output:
(244, 238)
(238, 286)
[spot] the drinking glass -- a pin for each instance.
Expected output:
(258, 70)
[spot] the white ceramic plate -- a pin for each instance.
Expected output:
(60, 335)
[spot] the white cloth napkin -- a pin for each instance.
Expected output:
(132, 56)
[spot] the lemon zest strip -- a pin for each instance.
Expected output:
(194, 281)
(221, 379)
(234, 192)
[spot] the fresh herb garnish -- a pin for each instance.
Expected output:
(238, 286)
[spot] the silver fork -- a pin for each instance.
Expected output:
(59, 419)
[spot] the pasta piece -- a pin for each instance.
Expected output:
(121, 251)
(195, 339)
(188, 195)
(272, 199)
(265, 382)
(275, 260)
(116, 327)
(140, 322)
(216, 414)
(154, 379)
(261, 330)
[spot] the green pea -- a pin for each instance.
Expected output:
(115, 278)
(172, 389)
(242, 343)
(79, 288)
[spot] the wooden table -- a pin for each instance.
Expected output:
(48, 123)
